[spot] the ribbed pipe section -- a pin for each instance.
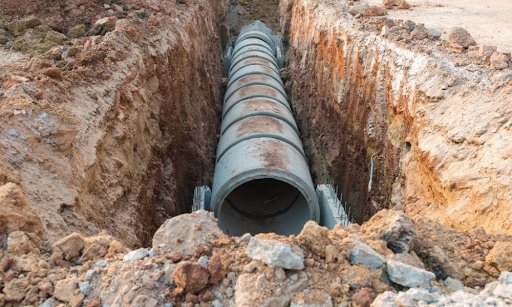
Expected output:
(262, 181)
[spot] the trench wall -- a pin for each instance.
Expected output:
(438, 135)
(129, 130)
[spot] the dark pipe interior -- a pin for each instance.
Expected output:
(264, 205)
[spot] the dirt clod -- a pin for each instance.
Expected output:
(191, 277)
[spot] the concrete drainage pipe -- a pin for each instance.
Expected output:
(262, 181)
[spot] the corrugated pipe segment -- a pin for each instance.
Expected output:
(262, 181)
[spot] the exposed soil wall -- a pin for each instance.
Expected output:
(120, 141)
(439, 134)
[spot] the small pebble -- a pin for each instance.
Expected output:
(102, 263)
(203, 261)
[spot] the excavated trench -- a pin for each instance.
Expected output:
(139, 122)
(346, 144)
(365, 111)
(337, 141)
(132, 147)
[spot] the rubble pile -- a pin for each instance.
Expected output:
(191, 262)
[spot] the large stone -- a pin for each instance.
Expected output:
(392, 226)
(77, 299)
(45, 287)
(16, 213)
(408, 258)
(190, 276)
(404, 5)
(362, 253)
(436, 258)
(390, 3)
(461, 298)
(363, 9)
(419, 32)
(184, 232)
(85, 287)
(55, 37)
(64, 289)
(101, 246)
(407, 275)
(51, 302)
(374, 10)
(358, 9)
(6, 263)
(276, 254)
(71, 246)
(433, 33)
(500, 256)
(461, 37)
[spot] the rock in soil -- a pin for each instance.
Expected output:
(407, 275)
(362, 253)
(276, 254)
(461, 37)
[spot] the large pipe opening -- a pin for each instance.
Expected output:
(264, 205)
(262, 181)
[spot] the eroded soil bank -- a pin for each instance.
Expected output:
(116, 134)
(438, 130)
